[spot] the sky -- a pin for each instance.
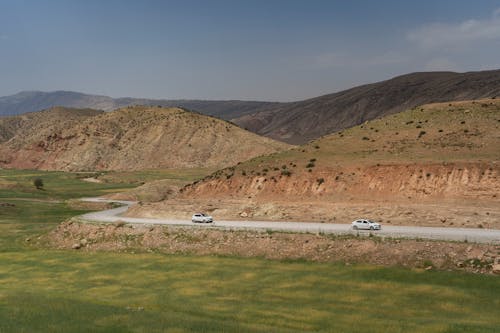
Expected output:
(275, 50)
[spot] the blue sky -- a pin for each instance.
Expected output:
(253, 50)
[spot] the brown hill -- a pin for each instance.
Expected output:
(131, 138)
(300, 122)
(433, 165)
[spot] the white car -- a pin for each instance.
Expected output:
(365, 224)
(202, 218)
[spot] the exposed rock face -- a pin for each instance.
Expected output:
(131, 138)
(400, 182)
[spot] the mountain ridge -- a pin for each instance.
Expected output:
(300, 122)
(33, 101)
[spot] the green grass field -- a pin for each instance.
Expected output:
(44, 290)
(81, 292)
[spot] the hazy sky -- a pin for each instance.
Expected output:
(238, 49)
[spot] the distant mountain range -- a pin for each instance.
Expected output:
(295, 122)
(32, 101)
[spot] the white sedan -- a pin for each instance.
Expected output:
(365, 224)
(202, 218)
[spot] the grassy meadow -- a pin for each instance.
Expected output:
(45, 290)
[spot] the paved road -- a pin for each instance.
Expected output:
(453, 234)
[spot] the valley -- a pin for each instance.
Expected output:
(432, 165)
(249, 166)
(152, 278)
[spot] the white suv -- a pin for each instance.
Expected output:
(365, 224)
(202, 218)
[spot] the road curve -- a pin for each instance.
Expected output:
(491, 236)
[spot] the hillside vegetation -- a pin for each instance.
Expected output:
(130, 138)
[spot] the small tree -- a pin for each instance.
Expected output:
(38, 182)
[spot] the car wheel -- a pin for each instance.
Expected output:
(355, 227)
(372, 228)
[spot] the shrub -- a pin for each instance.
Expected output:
(310, 165)
(119, 224)
(287, 173)
(38, 182)
(320, 181)
(366, 138)
(421, 133)
(312, 160)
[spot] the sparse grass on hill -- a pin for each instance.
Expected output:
(442, 132)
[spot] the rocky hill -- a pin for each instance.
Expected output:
(130, 138)
(303, 121)
(32, 101)
(437, 165)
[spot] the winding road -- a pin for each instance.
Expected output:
(491, 236)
